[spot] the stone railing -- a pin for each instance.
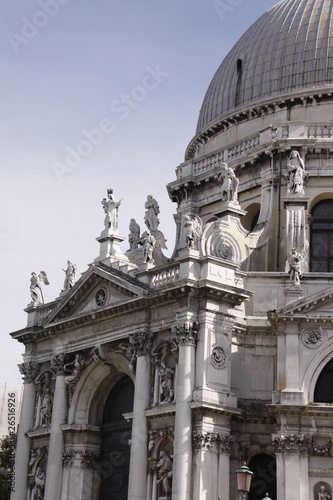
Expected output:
(168, 275)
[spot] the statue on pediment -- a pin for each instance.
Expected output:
(111, 206)
(148, 246)
(192, 230)
(70, 274)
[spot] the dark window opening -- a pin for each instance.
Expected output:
(324, 386)
(115, 450)
(321, 245)
(263, 467)
(239, 81)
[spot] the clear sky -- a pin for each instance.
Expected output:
(95, 94)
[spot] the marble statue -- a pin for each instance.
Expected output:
(151, 216)
(134, 236)
(296, 173)
(295, 260)
(323, 494)
(39, 484)
(229, 188)
(70, 274)
(148, 246)
(35, 287)
(164, 466)
(111, 206)
(46, 407)
(192, 230)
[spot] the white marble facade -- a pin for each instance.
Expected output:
(155, 378)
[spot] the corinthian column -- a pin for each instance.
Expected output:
(137, 489)
(56, 445)
(22, 455)
(182, 463)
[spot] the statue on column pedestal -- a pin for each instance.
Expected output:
(111, 206)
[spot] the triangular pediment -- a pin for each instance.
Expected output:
(318, 305)
(99, 288)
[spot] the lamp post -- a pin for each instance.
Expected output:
(244, 477)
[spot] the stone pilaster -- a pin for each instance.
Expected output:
(56, 445)
(205, 461)
(186, 331)
(29, 371)
(137, 489)
(292, 462)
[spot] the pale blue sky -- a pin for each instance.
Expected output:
(66, 65)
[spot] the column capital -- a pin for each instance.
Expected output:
(58, 364)
(30, 371)
(291, 443)
(187, 332)
(141, 342)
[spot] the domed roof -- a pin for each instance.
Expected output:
(288, 49)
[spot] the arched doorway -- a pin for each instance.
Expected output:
(263, 467)
(324, 387)
(115, 449)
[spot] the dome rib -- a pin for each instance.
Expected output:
(288, 49)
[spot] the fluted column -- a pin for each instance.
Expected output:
(56, 444)
(182, 464)
(137, 488)
(30, 371)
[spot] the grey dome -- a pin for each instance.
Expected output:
(288, 49)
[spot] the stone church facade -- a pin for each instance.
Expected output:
(156, 378)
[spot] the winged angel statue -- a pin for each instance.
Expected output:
(35, 287)
(192, 230)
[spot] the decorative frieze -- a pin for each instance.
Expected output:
(291, 443)
(29, 371)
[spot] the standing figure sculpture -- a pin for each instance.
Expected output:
(148, 246)
(111, 206)
(164, 466)
(70, 274)
(295, 267)
(192, 230)
(229, 189)
(39, 484)
(323, 494)
(134, 236)
(151, 216)
(297, 173)
(46, 407)
(35, 287)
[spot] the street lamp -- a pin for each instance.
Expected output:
(244, 477)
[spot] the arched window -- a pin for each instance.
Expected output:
(263, 467)
(324, 386)
(115, 449)
(321, 245)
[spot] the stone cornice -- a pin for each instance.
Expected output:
(261, 108)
